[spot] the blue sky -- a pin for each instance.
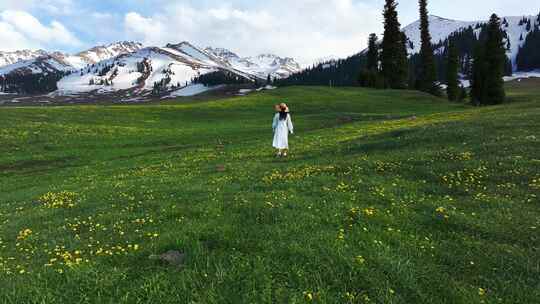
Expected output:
(304, 29)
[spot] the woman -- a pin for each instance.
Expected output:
(282, 125)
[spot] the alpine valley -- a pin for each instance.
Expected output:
(129, 71)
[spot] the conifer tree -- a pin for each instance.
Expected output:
(478, 74)
(403, 61)
(369, 75)
(394, 52)
(496, 61)
(373, 53)
(528, 57)
(489, 66)
(427, 76)
(452, 72)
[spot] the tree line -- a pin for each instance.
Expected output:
(30, 83)
(477, 53)
(528, 57)
(343, 72)
(390, 67)
(220, 77)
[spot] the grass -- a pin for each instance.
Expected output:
(388, 197)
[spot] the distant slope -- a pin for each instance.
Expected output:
(262, 65)
(441, 28)
(41, 62)
(346, 71)
(129, 66)
(7, 58)
(100, 53)
(148, 69)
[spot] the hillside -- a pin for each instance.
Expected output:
(128, 66)
(465, 33)
(442, 28)
(388, 197)
(7, 58)
(261, 66)
(27, 61)
(171, 66)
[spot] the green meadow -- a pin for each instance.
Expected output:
(387, 197)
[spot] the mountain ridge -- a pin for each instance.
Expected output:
(117, 66)
(441, 28)
(345, 71)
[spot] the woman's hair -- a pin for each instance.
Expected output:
(283, 113)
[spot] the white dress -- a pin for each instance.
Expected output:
(281, 131)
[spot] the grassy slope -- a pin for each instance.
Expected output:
(385, 208)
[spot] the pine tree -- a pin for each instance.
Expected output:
(427, 76)
(403, 61)
(528, 28)
(269, 80)
(394, 51)
(373, 53)
(489, 66)
(452, 72)
(496, 60)
(478, 74)
(369, 75)
(528, 57)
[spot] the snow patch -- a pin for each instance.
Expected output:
(441, 28)
(192, 90)
(522, 75)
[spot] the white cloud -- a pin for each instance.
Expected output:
(19, 29)
(13, 40)
(51, 7)
(148, 30)
(101, 16)
(304, 29)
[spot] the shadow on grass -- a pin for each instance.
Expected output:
(35, 165)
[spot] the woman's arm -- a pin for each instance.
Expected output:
(275, 122)
(289, 124)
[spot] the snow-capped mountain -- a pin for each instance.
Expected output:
(440, 28)
(104, 52)
(91, 56)
(172, 66)
(42, 62)
(261, 66)
(325, 59)
(7, 58)
(222, 53)
(130, 66)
